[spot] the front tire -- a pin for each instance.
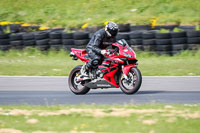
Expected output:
(132, 85)
(75, 87)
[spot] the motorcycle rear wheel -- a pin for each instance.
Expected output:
(134, 83)
(75, 87)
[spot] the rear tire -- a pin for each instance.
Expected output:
(72, 85)
(136, 74)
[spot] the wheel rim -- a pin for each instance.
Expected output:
(129, 84)
(78, 86)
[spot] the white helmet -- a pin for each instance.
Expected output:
(111, 29)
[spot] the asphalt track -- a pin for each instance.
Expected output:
(54, 90)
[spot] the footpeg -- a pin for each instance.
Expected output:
(82, 78)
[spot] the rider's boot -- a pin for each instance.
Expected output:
(84, 71)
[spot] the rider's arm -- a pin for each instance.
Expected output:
(95, 46)
(115, 48)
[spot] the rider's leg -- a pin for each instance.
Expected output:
(93, 63)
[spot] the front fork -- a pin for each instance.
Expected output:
(124, 75)
(126, 69)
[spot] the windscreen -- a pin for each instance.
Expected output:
(122, 42)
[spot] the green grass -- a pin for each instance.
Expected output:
(69, 13)
(36, 63)
(184, 64)
(115, 118)
(32, 62)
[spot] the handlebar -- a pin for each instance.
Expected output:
(112, 51)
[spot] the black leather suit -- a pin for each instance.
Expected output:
(99, 41)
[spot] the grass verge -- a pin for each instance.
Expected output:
(102, 118)
(32, 62)
(69, 13)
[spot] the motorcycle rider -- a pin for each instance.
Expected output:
(102, 39)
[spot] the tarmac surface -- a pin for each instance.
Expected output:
(43, 90)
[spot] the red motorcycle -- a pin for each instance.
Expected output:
(118, 69)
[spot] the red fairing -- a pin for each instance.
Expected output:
(110, 77)
(127, 68)
(111, 74)
(81, 54)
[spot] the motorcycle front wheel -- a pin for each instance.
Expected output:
(76, 87)
(133, 83)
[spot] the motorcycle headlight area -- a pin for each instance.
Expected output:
(127, 55)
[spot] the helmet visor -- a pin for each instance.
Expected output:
(113, 32)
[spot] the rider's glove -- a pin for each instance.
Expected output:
(104, 52)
